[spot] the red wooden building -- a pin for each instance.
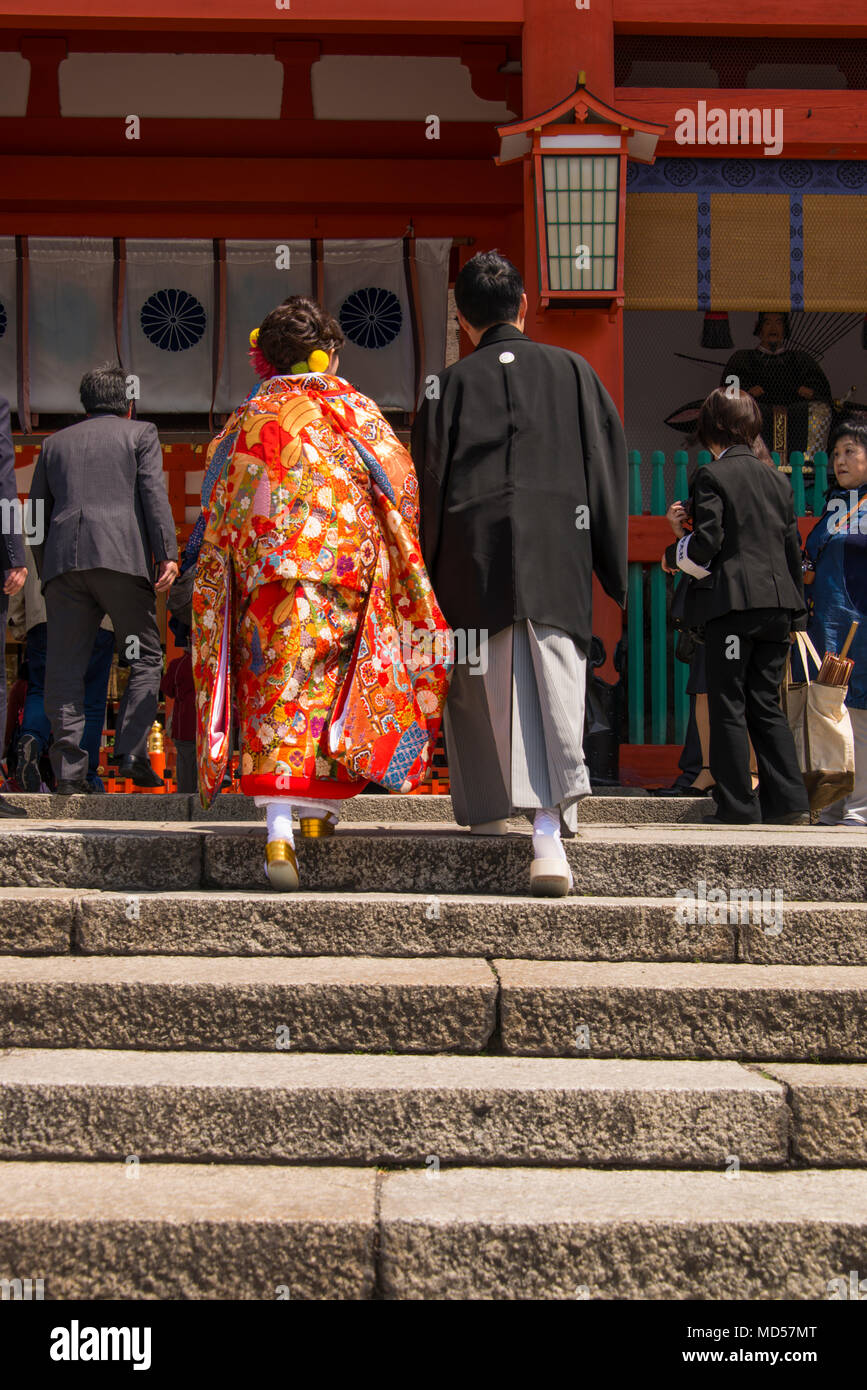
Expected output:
(317, 121)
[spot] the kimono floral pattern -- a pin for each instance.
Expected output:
(312, 611)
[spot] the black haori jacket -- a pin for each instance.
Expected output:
(521, 464)
(744, 550)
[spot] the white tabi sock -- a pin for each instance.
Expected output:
(546, 833)
(306, 806)
(279, 815)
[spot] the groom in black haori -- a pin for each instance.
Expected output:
(788, 385)
(521, 462)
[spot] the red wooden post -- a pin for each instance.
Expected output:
(560, 40)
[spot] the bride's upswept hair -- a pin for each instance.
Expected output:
(725, 420)
(296, 328)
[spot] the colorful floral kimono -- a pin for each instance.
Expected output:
(312, 611)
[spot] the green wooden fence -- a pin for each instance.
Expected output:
(657, 702)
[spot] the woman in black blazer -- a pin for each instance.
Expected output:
(744, 557)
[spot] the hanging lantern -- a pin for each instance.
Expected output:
(578, 152)
(716, 332)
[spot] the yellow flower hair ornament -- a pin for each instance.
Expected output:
(317, 362)
(254, 337)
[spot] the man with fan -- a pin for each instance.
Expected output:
(776, 376)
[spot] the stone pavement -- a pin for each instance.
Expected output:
(411, 1080)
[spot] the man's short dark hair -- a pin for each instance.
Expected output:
(488, 290)
(103, 391)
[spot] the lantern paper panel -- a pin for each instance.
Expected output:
(581, 209)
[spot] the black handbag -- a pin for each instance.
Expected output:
(688, 638)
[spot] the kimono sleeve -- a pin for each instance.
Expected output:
(604, 447)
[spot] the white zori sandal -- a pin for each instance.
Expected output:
(550, 875)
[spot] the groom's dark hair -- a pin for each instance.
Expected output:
(488, 290)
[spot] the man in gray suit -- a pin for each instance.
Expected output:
(108, 526)
(13, 570)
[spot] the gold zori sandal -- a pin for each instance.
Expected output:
(316, 827)
(281, 865)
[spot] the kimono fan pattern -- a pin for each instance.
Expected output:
(312, 609)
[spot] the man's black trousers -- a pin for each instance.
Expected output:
(746, 654)
(75, 604)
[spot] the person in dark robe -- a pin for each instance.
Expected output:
(776, 375)
(521, 462)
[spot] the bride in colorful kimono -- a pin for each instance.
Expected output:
(313, 615)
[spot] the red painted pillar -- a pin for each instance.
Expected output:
(559, 42)
(44, 53)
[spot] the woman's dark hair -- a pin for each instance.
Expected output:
(725, 420)
(103, 391)
(488, 290)
(296, 328)
(848, 429)
(776, 313)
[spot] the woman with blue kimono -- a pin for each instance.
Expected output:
(836, 576)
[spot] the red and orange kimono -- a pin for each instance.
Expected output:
(312, 610)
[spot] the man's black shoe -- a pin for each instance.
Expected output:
(27, 773)
(796, 818)
(140, 771)
(81, 788)
(11, 811)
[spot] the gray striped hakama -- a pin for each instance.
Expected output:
(514, 735)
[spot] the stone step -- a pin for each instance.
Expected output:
(380, 1004)
(199, 1231)
(829, 1112)
(620, 805)
(805, 864)
(181, 1231)
(54, 921)
(577, 1233)
(748, 1012)
(321, 1004)
(398, 1110)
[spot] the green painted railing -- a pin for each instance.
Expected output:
(657, 702)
